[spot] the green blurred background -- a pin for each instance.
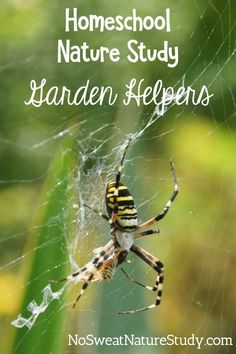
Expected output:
(42, 175)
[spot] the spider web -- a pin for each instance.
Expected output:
(197, 236)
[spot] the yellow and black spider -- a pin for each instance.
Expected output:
(122, 216)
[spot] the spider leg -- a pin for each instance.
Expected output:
(99, 257)
(157, 288)
(104, 216)
(146, 233)
(69, 277)
(95, 266)
(84, 287)
(168, 204)
(118, 176)
(137, 282)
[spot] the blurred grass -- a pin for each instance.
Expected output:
(50, 244)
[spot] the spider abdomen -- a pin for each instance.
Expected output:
(126, 210)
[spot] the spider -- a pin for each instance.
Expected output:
(122, 217)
